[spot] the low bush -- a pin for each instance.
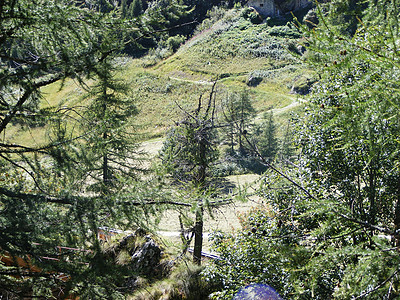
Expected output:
(174, 42)
(237, 163)
(252, 15)
(184, 282)
(252, 255)
(285, 32)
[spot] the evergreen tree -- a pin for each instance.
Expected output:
(166, 13)
(267, 141)
(42, 201)
(349, 147)
(238, 111)
(287, 149)
(344, 15)
(187, 155)
(338, 206)
(109, 149)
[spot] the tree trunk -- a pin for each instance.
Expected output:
(198, 236)
(397, 216)
(372, 196)
(106, 171)
(198, 227)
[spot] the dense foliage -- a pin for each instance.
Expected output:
(339, 204)
(44, 200)
(330, 225)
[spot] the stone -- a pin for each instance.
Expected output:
(146, 257)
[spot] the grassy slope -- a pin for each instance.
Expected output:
(232, 49)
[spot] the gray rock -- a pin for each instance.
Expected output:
(146, 257)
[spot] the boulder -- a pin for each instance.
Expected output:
(146, 257)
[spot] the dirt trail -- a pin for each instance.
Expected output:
(295, 103)
(200, 82)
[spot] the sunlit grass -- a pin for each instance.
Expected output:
(232, 51)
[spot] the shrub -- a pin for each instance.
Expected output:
(174, 42)
(184, 282)
(252, 255)
(255, 18)
(252, 15)
(285, 32)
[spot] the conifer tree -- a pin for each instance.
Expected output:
(268, 142)
(48, 220)
(109, 147)
(338, 205)
(238, 112)
(187, 155)
(349, 146)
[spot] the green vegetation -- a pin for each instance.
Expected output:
(69, 148)
(334, 217)
(308, 107)
(49, 217)
(187, 154)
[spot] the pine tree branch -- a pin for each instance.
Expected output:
(19, 149)
(31, 196)
(275, 169)
(378, 286)
(20, 61)
(74, 199)
(25, 97)
(15, 149)
(25, 169)
(367, 225)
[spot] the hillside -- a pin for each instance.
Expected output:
(227, 47)
(288, 174)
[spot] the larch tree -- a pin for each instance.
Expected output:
(48, 219)
(336, 209)
(187, 155)
(349, 146)
(110, 148)
(267, 140)
(238, 111)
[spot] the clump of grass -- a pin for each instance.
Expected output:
(184, 282)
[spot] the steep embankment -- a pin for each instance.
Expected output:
(261, 58)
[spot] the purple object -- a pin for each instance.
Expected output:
(257, 292)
